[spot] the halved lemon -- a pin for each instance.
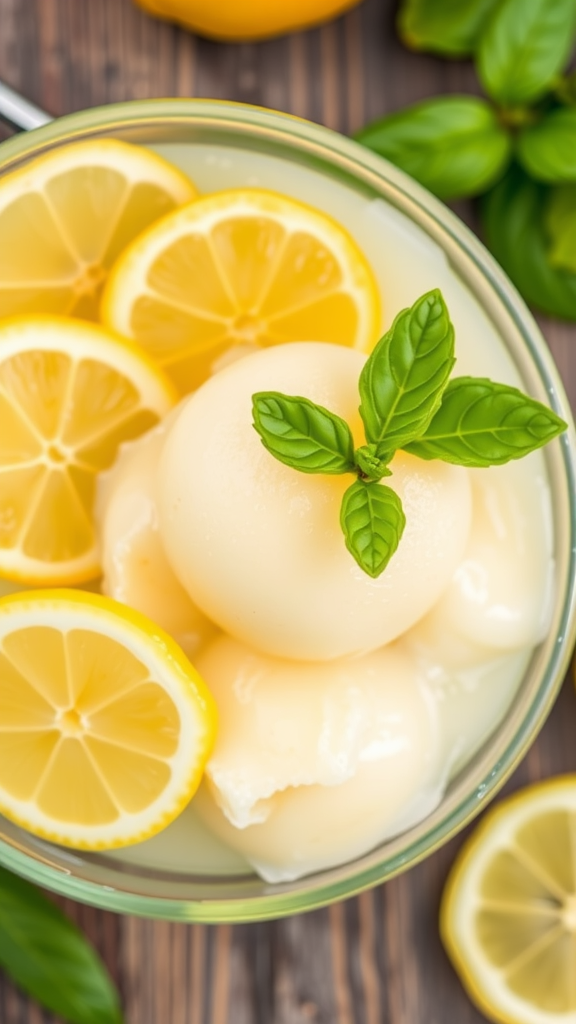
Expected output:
(70, 394)
(105, 725)
(237, 270)
(508, 917)
(66, 216)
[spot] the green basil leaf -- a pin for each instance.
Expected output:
(449, 27)
(560, 224)
(513, 214)
(402, 381)
(453, 145)
(49, 959)
(301, 434)
(524, 46)
(373, 522)
(547, 150)
(481, 424)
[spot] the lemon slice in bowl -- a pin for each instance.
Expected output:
(508, 917)
(238, 270)
(70, 394)
(105, 725)
(66, 216)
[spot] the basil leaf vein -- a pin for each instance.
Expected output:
(481, 423)
(373, 522)
(49, 959)
(401, 383)
(301, 434)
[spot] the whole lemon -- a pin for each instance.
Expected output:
(246, 19)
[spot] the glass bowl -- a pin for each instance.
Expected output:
(120, 885)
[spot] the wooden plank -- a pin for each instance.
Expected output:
(377, 959)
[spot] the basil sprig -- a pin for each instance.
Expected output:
(460, 146)
(407, 402)
(49, 959)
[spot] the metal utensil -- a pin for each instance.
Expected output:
(19, 112)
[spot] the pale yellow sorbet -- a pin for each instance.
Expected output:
(258, 546)
(136, 570)
(499, 595)
(316, 763)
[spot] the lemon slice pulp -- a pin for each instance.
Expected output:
(66, 216)
(105, 725)
(70, 393)
(237, 270)
(508, 917)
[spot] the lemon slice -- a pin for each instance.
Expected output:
(508, 917)
(66, 216)
(70, 393)
(235, 271)
(105, 725)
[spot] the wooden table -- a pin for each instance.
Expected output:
(376, 959)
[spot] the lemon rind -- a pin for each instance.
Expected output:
(127, 279)
(482, 980)
(86, 340)
(129, 160)
(169, 667)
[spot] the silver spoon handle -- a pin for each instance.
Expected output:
(20, 112)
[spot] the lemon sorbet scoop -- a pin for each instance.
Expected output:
(259, 548)
(315, 763)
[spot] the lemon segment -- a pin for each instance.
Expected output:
(236, 271)
(508, 916)
(70, 394)
(106, 727)
(66, 216)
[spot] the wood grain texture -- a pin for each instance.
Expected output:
(376, 959)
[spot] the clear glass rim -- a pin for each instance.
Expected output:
(375, 174)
